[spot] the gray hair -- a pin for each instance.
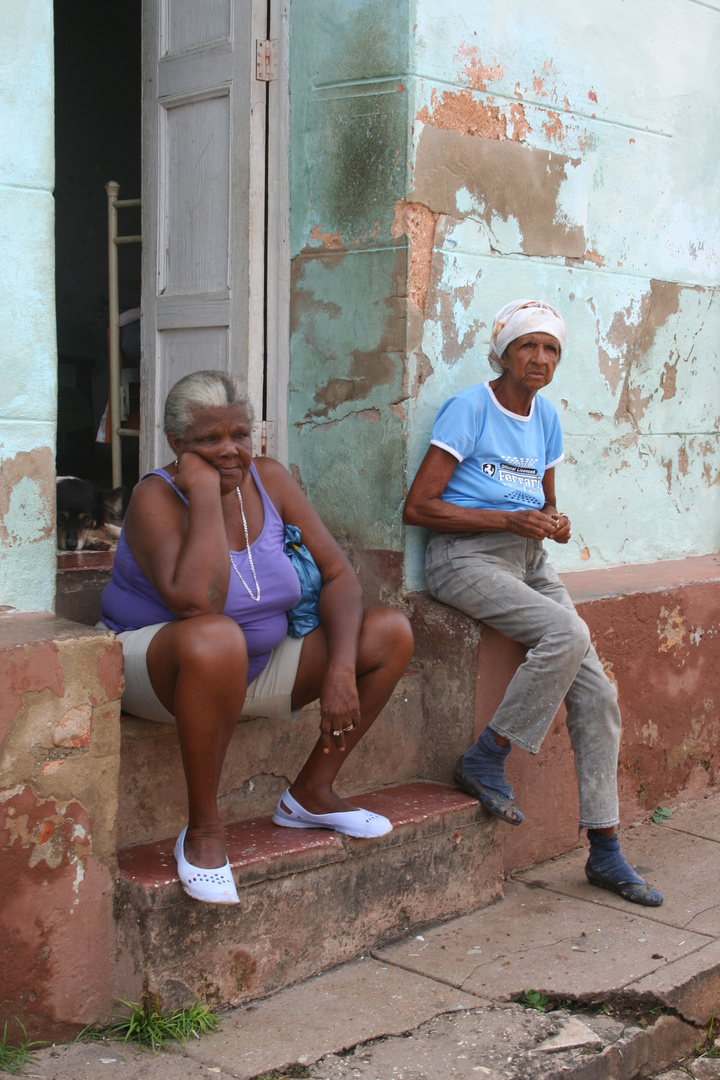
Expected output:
(201, 390)
(494, 361)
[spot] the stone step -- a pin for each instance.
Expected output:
(263, 758)
(310, 899)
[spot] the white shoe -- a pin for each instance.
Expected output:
(360, 823)
(215, 886)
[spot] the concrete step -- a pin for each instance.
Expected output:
(310, 899)
(263, 758)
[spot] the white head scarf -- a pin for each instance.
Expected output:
(521, 317)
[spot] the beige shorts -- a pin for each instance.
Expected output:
(268, 695)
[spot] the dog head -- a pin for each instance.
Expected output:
(82, 511)
(78, 511)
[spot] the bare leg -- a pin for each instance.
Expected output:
(385, 649)
(198, 669)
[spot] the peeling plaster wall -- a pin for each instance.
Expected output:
(28, 363)
(350, 311)
(59, 765)
(445, 159)
(574, 157)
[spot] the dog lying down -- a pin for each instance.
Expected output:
(87, 519)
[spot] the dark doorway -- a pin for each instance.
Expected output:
(97, 139)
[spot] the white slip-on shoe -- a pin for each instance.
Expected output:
(361, 823)
(215, 886)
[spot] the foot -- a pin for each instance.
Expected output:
(352, 822)
(493, 802)
(213, 886)
(320, 799)
(607, 868)
(205, 846)
(481, 772)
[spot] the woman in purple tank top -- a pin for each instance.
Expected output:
(198, 597)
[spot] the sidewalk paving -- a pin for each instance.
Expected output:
(441, 1003)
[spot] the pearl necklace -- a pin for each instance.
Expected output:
(250, 558)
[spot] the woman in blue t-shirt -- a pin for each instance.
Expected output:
(486, 488)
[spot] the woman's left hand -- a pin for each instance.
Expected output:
(339, 708)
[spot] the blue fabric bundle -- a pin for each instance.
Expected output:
(304, 616)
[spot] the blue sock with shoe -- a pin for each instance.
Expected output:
(607, 859)
(486, 762)
(608, 868)
(481, 773)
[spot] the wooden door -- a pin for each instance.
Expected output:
(204, 184)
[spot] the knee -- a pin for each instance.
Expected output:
(574, 637)
(390, 635)
(607, 698)
(212, 641)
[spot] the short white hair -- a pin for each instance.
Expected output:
(201, 390)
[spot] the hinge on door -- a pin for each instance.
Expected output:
(267, 63)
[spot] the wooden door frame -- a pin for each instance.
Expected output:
(278, 237)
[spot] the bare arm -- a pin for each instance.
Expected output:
(424, 506)
(340, 605)
(182, 551)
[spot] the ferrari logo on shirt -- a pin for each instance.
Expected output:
(518, 476)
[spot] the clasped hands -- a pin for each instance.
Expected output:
(540, 525)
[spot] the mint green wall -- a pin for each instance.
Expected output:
(626, 98)
(348, 161)
(28, 367)
(447, 158)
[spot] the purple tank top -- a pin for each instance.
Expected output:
(129, 601)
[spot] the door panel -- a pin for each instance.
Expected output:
(203, 181)
(197, 200)
(179, 350)
(195, 22)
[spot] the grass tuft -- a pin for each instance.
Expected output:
(531, 999)
(662, 813)
(12, 1058)
(709, 1048)
(148, 1026)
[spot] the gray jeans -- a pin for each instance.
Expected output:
(505, 581)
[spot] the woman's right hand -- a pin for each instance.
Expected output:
(182, 550)
(191, 470)
(532, 524)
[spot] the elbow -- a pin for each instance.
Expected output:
(192, 611)
(410, 515)
(190, 607)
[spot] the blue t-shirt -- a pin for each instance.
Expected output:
(502, 456)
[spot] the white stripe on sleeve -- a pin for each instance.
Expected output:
(449, 449)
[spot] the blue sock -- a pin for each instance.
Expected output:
(607, 859)
(486, 762)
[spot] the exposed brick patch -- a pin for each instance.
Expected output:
(416, 222)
